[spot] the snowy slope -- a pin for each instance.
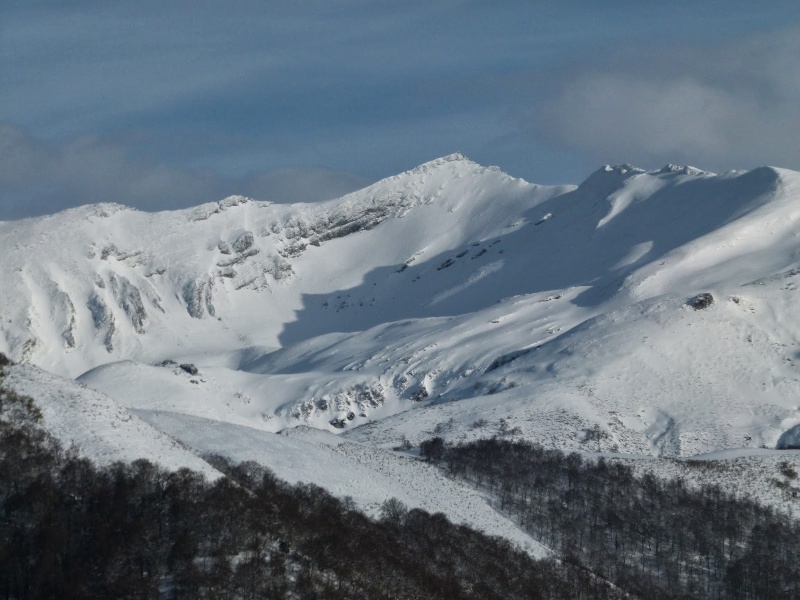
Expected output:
(368, 475)
(95, 425)
(451, 299)
(104, 432)
(102, 283)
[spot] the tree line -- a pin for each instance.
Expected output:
(653, 538)
(72, 530)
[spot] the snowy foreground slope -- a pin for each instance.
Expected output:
(97, 426)
(451, 299)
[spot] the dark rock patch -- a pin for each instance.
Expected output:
(505, 359)
(189, 368)
(701, 301)
(420, 394)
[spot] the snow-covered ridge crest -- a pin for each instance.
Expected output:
(205, 211)
(123, 276)
(628, 169)
(682, 170)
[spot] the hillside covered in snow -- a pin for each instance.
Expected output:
(449, 300)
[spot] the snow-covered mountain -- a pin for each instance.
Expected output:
(450, 299)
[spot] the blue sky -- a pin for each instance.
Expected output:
(167, 104)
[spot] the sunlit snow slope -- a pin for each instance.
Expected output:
(95, 425)
(451, 299)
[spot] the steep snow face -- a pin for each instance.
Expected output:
(451, 299)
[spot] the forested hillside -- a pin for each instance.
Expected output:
(652, 537)
(69, 529)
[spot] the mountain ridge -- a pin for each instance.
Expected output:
(450, 290)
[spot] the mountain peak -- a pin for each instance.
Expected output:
(456, 157)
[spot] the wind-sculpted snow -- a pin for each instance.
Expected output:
(451, 299)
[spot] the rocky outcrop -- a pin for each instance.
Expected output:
(790, 439)
(129, 299)
(342, 407)
(68, 333)
(508, 358)
(197, 295)
(243, 242)
(62, 314)
(701, 301)
(103, 320)
(189, 368)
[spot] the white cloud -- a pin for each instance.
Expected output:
(40, 177)
(733, 106)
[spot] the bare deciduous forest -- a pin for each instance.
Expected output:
(651, 537)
